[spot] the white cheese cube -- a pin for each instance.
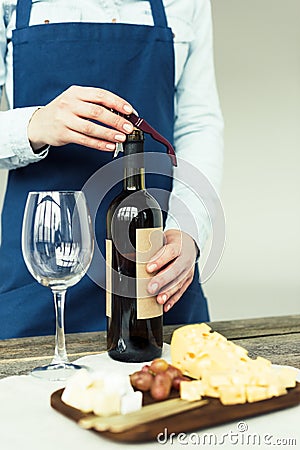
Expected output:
(191, 390)
(105, 403)
(131, 402)
(78, 398)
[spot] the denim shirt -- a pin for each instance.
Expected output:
(198, 126)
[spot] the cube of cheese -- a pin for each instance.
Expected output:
(191, 390)
(210, 391)
(78, 397)
(131, 402)
(275, 390)
(287, 376)
(105, 403)
(75, 392)
(232, 395)
(257, 393)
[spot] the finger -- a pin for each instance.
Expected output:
(172, 272)
(91, 129)
(100, 114)
(169, 291)
(102, 97)
(167, 254)
(87, 141)
(178, 294)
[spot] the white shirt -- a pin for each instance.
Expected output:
(198, 128)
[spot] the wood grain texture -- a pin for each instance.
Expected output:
(276, 338)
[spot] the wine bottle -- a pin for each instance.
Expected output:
(134, 235)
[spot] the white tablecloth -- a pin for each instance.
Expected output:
(27, 421)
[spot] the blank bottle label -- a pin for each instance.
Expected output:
(148, 242)
(108, 243)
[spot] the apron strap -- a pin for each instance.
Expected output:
(24, 9)
(158, 13)
(23, 13)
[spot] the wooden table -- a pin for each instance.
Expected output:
(275, 338)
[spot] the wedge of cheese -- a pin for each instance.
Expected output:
(224, 368)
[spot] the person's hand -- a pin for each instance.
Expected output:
(69, 119)
(175, 266)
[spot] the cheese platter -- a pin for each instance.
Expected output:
(202, 416)
(213, 382)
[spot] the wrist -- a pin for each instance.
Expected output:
(36, 142)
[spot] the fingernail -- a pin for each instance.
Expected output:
(110, 146)
(152, 267)
(153, 288)
(120, 137)
(135, 112)
(168, 308)
(127, 108)
(128, 127)
(164, 298)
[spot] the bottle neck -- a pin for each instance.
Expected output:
(134, 172)
(134, 178)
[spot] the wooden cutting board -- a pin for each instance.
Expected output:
(211, 414)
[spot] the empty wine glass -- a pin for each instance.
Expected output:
(57, 246)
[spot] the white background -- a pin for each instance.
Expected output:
(257, 54)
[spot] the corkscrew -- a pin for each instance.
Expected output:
(143, 125)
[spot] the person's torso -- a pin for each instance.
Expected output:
(180, 19)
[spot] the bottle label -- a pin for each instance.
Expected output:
(108, 245)
(148, 242)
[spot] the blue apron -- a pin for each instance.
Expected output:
(137, 63)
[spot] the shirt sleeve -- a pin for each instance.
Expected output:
(198, 136)
(15, 149)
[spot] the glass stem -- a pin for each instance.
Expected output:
(60, 355)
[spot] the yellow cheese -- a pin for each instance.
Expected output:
(216, 379)
(196, 349)
(232, 395)
(275, 390)
(224, 368)
(257, 393)
(287, 376)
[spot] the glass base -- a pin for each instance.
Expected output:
(56, 372)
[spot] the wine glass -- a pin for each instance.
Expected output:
(57, 246)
